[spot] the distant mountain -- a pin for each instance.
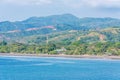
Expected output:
(95, 23)
(60, 22)
(50, 20)
(65, 20)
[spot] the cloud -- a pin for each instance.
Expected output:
(101, 3)
(69, 3)
(91, 3)
(26, 2)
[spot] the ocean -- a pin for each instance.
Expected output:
(57, 68)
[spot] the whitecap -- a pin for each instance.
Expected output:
(44, 64)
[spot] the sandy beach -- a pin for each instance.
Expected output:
(62, 55)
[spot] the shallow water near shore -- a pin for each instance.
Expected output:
(45, 68)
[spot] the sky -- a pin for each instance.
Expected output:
(17, 10)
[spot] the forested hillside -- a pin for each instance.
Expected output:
(65, 33)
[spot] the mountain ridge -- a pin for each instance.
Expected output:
(59, 21)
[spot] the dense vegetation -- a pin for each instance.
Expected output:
(71, 42)
(73, 48)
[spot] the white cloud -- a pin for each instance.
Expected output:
(26, 2)
(70, 3)
(103, 3)
(92, 3)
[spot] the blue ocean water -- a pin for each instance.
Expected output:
(39, 68)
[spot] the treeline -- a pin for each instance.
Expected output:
(72, 48)
(98, 48)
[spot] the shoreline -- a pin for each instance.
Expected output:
(64, 56)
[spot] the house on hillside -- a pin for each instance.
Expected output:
(61, 51)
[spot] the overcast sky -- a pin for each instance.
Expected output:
(13, 10)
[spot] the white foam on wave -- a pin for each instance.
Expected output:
(23, 59)
(59, 61)
(43, 64)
